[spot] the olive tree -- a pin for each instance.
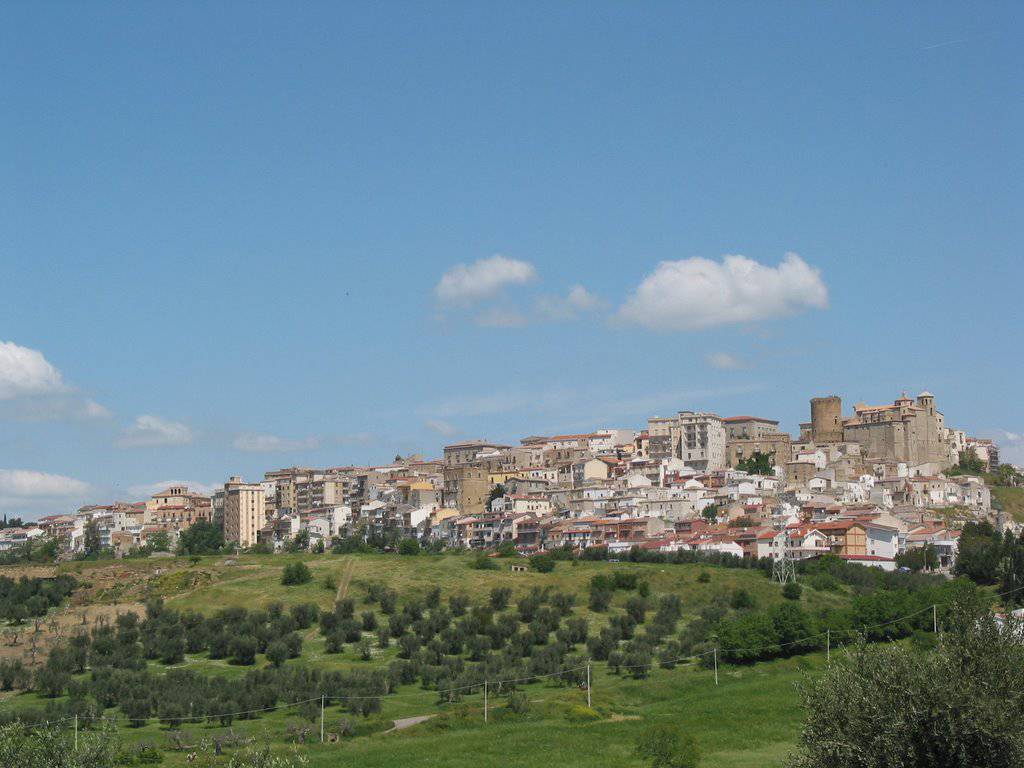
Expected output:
(957, 706)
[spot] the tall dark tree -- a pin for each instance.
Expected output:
(92, 544)
(201, 538)
(979, 552)
(1011, 569)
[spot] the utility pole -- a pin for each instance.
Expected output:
(828, 646)
(588, 685)
(935, 620)
(76, 733)
(485, 701)
(716, 665)
(322, 702)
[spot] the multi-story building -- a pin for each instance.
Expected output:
(986, 450)
(466, 489)
(659, 437)
(748, 427)
(179, 506)
(286, 486)
(696, 438)
(467, 468)
(467, 452)
(747, 435)
(244, 512)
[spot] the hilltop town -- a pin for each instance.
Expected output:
(869, 487)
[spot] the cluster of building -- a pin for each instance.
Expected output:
(865, 486)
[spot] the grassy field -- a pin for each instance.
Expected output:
(255, 580)
(751, 719)
(1012, 501)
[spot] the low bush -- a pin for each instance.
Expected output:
(295, 574)
(581, 714)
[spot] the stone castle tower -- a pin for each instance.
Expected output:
(827, 419)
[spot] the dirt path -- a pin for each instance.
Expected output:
(346, 579)
(409, 722)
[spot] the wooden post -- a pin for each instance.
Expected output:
(588, 685)
(322, 702)
(716, 665)
(485, 701)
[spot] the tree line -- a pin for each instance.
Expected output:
(25, 597)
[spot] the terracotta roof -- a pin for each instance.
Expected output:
(838, 525)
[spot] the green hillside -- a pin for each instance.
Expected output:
(751, 718)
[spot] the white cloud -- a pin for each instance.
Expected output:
(441, 427)
(578, 301)
(501, 318)
(25, 371)
(1011, 446)
(723, 361)
(32, 389)
(696, 293)
(145, 490)
(355, 438)
(254, 443)
(29, 484)
(54, 407)
(90, 409)
(151, 431)
(465, 283)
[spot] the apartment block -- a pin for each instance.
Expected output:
(244, 512)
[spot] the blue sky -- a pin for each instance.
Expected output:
(224, 230)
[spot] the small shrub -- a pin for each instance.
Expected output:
(409, 547)
(277, 653)
(365, 649)
(600, 599)
(704, 577)
(243, 650)
(742, 600)
(624, 580)
(482, 562)
(542, 563)
(145, 754)
(519, 702)
(823, 582)
(792, 591)
(581, 714)
(666, 746)
(296, 573)
(500, 597)
(506, 549)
